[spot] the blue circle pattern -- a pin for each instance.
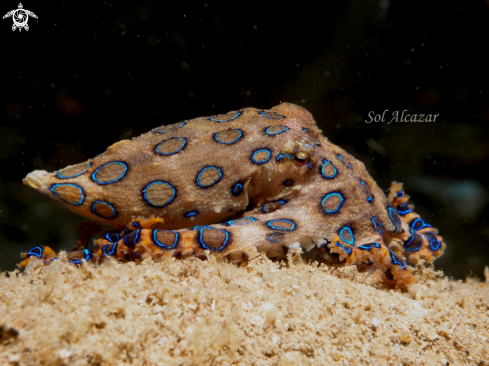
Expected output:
(345, 231)
(272, 222)
(37, 251)
(230, 142)
(264, 115)
(227, 120)
(325, 165)
(328, 196)
(159, 182)
(419, 224)
(201, 241)
(284, 128)
(104, 203)
(261, 161)
(53, 189)
(276, 237)
(209, 185)
(114, 180)
(237, 189)
(164, 245)
(173, 152)
(73, 176)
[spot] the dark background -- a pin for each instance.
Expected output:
(89, 74)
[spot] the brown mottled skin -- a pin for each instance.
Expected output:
(292, 175)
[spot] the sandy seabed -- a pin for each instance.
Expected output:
(195, 312)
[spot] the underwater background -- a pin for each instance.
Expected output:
(87, 75)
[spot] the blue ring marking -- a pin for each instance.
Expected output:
(369, 246)
(377, 225)
(305, 129)
(395, 261)
(400, 194)
(88, 255)
(36, 251)
(112, 240)
(348, 250)
(403, 209)
(370, 197)
(288, 182)
(419, 224)
(164, 245)
(331, 195)
(284, 128)
(135, 224)
(159, 182)
(73, 176)
(227, 120)
(264, 115)
(114, 213)
(325, 163)
(53, 187)
(271, 222)
(411, 239)
(346, 228)
(210, 185)
(112, 251)
(112, 181)
(261, 161)
(191, 213)
(435, 244)
(231, 222)
(173, 152)
(172, 129)
(136, 237)
(237, 189)
(344, 162)
(389, 275)
(230, 142)
(276, 237)
(397, 223)
(201, 233)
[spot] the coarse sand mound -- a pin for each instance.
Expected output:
(195, 312)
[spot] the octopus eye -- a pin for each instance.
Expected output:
(301, 158)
